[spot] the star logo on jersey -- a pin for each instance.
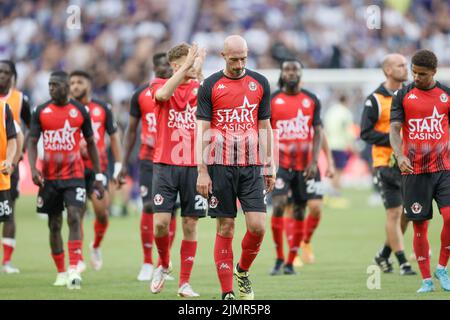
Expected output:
(296, 128)
(444, 98)
(61, 139)
(221, 86)
(183, 120)
(428, 128)
(416, 208)
(412, 96)
(279, 101)
(238, 118)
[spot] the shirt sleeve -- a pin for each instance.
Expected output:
(264, 106)
(35, 124)
(86, 127)
(397, 111)
(9, 124)
(111, 125)
(204, 103)
(25, 113)
(135, 110)
(317, 120)
(369, 119)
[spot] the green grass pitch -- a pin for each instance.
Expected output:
(344, 245)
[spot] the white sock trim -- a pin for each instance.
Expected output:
(9, 242)
(427, 279)
(439, 267)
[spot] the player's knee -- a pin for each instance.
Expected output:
(55, 225)
(189, 225)
(102, 218)
(74, 219)
(257, 229)
(148, 207)
(279, 204)
(299, 212)
(226, 229)
(161, 225)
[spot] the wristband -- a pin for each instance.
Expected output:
(117, 169)
(100, 177)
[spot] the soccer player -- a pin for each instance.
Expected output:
(234, 122)
(421, 111)
(142, 107)
(375, 131)
(19, 104)
(61, 182)
(296, 119)
(102, 122)
(174, 168)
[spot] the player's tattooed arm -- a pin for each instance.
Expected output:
(396, 142)
(204, 183)
(129, 142)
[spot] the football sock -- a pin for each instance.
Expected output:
(8, 248)
(250, 248)
(289, 228)
(74, 252)
(187, 253)
(99, 230)
(147, 236)
(385, 252)
(401, 257)
(59, 258)
(162, 243)
(277, 233)
(311, 223)
(422, 247)
(223, 257)
(296, 239)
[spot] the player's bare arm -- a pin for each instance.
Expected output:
(93, 154)
(266, 146)
(7, 167)
(396, 142)
(36, 175)
(129, 141)
(19, 148)
(331, 169)
(198, 64)
(311, 169)
(117, 154)
(167, 90)
(204, 183)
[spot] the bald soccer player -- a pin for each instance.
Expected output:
(375, 131)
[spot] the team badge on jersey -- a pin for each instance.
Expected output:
(252, 86)
(306, 103)
(416, 208)
(195, 91)
(96, 112)
(144, 191)
(213, 202)
(444, 98)
(73, 113)
(158, 199)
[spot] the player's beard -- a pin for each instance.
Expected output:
(81, 96)
(292, 85)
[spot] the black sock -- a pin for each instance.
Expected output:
(401, 257)
(385, 252)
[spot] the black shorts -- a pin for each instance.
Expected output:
(5, 205)
(89, 177)
(55, 193)
(388, 181)
(145, 180)
(14, 191)
(231, 183)
(168, 181)
(302, 191)
(419, 190)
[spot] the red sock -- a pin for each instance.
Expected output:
(8, 247)
(82, 238)
(250, 248)
(74, 252)
(289, 228)
(162, 244)
(187, 253)
(223, 257)
(445, 237)
(422, 247)
(296, 239)
(277, 233)
(100, 230)
(59, 261)
(311, 223)
(172, 229)
(147, 236)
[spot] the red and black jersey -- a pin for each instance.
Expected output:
(176, 124)
(293, 120)
(102, 121)
(234, 106)
(425, 117)
(61, 128)
(142, 106)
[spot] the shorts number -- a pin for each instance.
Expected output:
(200, 203)
(81, 194)
(5, 209)
(314, 187)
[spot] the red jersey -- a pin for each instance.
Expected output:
(425, 116)
(142, 106)
(293, 120)
(234, 106)
(176, 124)
(102, 121)
(61, 128)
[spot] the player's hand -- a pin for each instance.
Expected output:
(99, 189)
(198, 63)
(37, 177)
(310, 171)
(331, 170)
(404, 164)
(269, 182)
(190, 58)
(204, 184)
(6, 167)
(117, 170)
(120, 180)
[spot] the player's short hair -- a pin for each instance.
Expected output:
(80, 73)
(12, 66)
(280, 79)
(178, 51)
(157, 57)
(425, 58)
